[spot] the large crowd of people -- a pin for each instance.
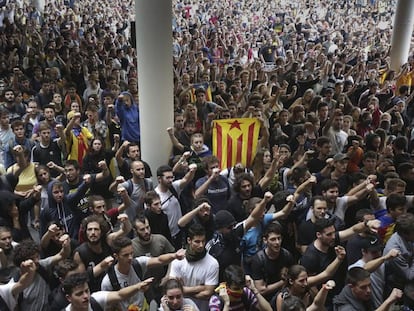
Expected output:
(321, 219)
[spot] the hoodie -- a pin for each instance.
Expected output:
(129, 119)
(346, 301)
(65, 212)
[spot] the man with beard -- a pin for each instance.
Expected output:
(201, 214)
(198, 270)
(74, 180)
(7, 246)
(136, 187)
(130, 270)
(169, 191)
(306, 230)
(321, 252)
(225, 244)
(133, 153)
(96, 250)
(16, 111)
(45, 95)
(49, 117)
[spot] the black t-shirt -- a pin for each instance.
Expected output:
(226, 248)
(316, 261)
(307, 232)
(236, 204)
(270, 270)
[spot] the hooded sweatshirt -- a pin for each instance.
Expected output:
(346, 301)
(129, 118)
(65, 212)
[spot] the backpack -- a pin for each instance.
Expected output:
(114, 280)
(95, 305)
(130, 186)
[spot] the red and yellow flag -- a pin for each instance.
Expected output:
(235, 141)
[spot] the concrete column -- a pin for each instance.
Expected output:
(155, 78)
(402, 33)
(39, 4)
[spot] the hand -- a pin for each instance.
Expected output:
(329, 285)
(330, 162)
(170, 131)
(312, 179)
(180, 254)
(395, 295)
(186, 154)
(51, 164)
(125, 144)
(340, 252)
(102, 165)
(250, 283)
(122, 218)
(164, 303)
(268, 196)
(121, 97)
(223, 294)
(110, 107)
(370, 187)
(65, 240)
(107, 262)
(120, 179)
(116, 138)
(77, 115)
(53, 228)
(373, 225)
(192, 167)
(188, 308)
(87, 178)
(392, 254)
(144, 285)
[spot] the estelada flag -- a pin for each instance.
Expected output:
(235, 140)
(205, 86)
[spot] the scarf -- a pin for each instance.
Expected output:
(192, 256)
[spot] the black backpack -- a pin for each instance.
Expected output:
(95, 305)
(114, 280)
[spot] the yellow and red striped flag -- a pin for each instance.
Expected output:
(235, 140)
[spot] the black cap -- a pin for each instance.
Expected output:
(224, 219)
(372, 243)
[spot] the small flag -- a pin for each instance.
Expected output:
(235, 141)
(205, 86)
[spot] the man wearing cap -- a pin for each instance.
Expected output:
(374, 262)
(339, 164)
(225, 244)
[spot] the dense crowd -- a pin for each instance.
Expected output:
(321, 219)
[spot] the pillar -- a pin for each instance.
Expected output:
(155, 78)
(39, 5)
(402, 33)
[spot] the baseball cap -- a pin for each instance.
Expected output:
(340, 157)
(224, 219)
(372, 244)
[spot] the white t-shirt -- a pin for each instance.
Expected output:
(100, 298)
(201, 272)
(127, 280)
(6, 294)
(171, 207)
